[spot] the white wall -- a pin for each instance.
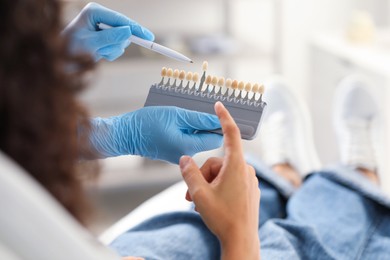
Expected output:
(303, 18)
(171, 16)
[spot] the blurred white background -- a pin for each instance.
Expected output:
(304, 40)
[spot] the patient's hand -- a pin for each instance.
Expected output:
(132, 258)
(226, 194)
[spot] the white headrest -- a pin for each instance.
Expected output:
(34, 226)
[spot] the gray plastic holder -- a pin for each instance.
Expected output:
(247, 113)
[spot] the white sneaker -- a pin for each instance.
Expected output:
(286, 131)
(356, 119)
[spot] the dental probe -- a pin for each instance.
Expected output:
(152, 46)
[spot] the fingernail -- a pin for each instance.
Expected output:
(184, 160)
(217, 104)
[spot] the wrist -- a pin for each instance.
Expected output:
(109, 138)
(240, 246)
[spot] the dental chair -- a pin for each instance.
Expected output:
(169, 200)
(33, 225)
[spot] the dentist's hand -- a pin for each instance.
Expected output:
(109, 44)
(226, 194)
(164, 133)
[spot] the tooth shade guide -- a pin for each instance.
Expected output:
(261, 92)
(169, 72)
(228, 85)
(189, 76)
(224, 90)
(221, 85)
(246, 90)
(248, 87)
(214, 80)
(213, 84)
(169, 75)
(261, 89)
(258, 91)
(255, 88)
(234, 84)
(203, 78)
(163, 75)
(217, 89)
(182, 75)
(188, 79)
(207, 82)
(241, 85)
(164, 72)
(195, 79)
(175, 76)
(176, 73)
(244, 106)
(235, 87)
(221, 81)
(205, 65)
(250, 95)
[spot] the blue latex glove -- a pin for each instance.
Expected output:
(109, 44)
(164, 133)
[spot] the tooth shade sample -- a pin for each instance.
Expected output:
(228, 83)
(221, 81)
(208, 80)
(214, 81)
(205, 65)
(182, 75)
(189, 76)
(170, 72)
(235, 84)
(241, 85)
(248, 87)
(207, 83)
(163, 72)
(176, 74)
(261, 90)
(195, 77)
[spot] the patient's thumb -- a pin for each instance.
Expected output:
(191, 175)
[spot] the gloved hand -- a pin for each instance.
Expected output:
(164, 133)
(109, 44)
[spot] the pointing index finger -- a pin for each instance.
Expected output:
(231, 133)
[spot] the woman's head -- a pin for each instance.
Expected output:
(39, 113)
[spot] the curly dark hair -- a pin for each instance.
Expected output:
(39, 112)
